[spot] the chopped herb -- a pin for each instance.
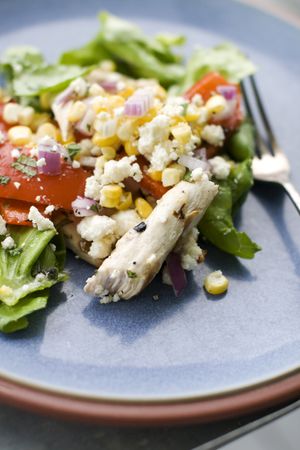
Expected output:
(188, 176)
(15, 251)
(95, 207)
(26, 165)
(140, 227)
(89, 127)
(73, 149)
(131, 274)
(4, 179)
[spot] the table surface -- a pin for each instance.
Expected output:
(21, 430)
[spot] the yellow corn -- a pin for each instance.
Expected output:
(95, 90)
(182, 133)
(130, 148)
(170, 176)
(108, 66)
(39, 119)
(125, 202)
(19, 135)
(110, 195)
(180, 168)
(127, 92)
(143, 208)
(46, 100)
(101, 141)
(126, 130)
(192, 113)
(156, 175)
(215, 104)
(77, 111)
(116, 100)
(147, 118)
(215, 283)
(11, 113)
(108, 153)
(47, 129)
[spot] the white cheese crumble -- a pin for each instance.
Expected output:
(17, 184)
(197, 174)
(49, 209)
(162, 155)
(41, 162)
(38, 220)
(92, 188)
(79, 86)
(3, 229)
(75, 164)
(190, 252)
(101, 249)
(220, 167)
(15, 153)
(197, 100)
(125, 220)
(174, 106)
(93, 228)
(117, 171)
(2, 137)
(8, 243)
(213, 134)
(153, 133)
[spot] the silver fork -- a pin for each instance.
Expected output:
(270, 163)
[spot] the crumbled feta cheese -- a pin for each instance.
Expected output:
(125, 220)
(117, 171)
(190, 252)
(80, 86)
(213, 134)
(102, 248)
(75, 164)
(166, 279)
(92, 188)
(174, 106)
(17, 184)
(162, 155)
(94, 228)
(203, 115)
(40, 277)
(49, 209)
(8, 243)
(86, 145)
(3, 229)
(41, 162)
(153, 133)
(197, 174)
(220, 167)
(38, 198)
(33, 152)
(15, 153)
(38, 220)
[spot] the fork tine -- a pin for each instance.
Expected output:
(271, 136)
(258, 141)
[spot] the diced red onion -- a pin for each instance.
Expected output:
(52, 164)
(139, 103)
(192, 163)
(201, 153)
(176, 272)
(82, 207)
(109, 86)
(65, 95)
(229, 92)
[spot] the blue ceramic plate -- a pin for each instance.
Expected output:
(192, 346)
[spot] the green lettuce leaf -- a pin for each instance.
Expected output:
(217, 224)
(225, 58)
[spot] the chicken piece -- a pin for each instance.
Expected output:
(140, 253)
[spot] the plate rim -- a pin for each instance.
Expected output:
(110, 412)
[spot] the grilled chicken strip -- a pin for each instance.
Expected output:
(140, 253)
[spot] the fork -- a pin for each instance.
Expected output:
(270, 163)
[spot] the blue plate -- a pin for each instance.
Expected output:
(192, 346)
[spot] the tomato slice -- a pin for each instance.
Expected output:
(58, 190)
(15, 212)
(206, 87)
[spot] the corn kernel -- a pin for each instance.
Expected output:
(215, 104)
(216, 283)
(130, 148)
(125, 201)
(110, 195)
(147, 118)
(39, 119)
(180, 168)
(115, 101)
(182, 133)
(192, 113)
(126, 92)
(11, 113)
(26, 116)
(95, 90)
(47, 129)
(101, 141)
(156, 175)
(126, 130)
(19, 135)
(170, 176)
(77, 111)
(143, 208)
(100, 103)
(108, 153)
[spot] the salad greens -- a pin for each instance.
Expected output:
(27, 272)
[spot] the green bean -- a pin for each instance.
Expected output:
(241, 145)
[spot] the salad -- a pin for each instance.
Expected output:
(125, 154)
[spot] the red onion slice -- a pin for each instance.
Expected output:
(52, 164)
(139, 103)
(65, 96)
(109, 86)
(192, 163)
(229, 92)
(176, 272)
(82, 207)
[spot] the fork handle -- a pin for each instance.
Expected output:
(293, 194)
